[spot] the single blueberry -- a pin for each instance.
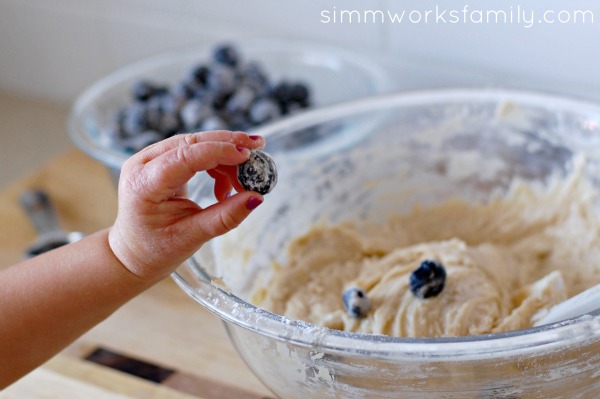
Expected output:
(428, 279)
(222, 79)
(264, 110)
(253, 76)
(169, 124)
(356, 302)
(258, 173)
(281, 92)
(218, 100)
(182, 91)
(143, 90)
(299, 94)
(135, 119)
(254, 70)
(203, 94)
(115, 129)
(153, 113)
(226, 54)
(199, 74)
(238, 121)
(193, 113)
(160, 91)
(172, 102)
(240, 100)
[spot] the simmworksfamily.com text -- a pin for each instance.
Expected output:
(467, 15)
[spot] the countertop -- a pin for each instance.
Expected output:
(159, 345)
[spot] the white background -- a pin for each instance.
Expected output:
(55, 49)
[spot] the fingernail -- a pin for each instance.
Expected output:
(228, 194)
(242, 149)
(255, 137)
(253, 203)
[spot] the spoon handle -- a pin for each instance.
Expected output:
(585, 302)
(38, 207)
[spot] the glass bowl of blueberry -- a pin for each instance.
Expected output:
(414, 260)
(235, 86)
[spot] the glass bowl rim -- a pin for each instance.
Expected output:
(556, 335)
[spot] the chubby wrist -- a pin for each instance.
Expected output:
(118, 252)
(130, 262)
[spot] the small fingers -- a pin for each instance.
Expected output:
(240, 139)
(231, 172)
(222, 187)
(224, 216)
(166, 173)
(226, 179)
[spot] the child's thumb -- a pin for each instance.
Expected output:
(226, 215)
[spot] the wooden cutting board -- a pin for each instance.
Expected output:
(160, 345)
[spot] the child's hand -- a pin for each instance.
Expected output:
(157, 227)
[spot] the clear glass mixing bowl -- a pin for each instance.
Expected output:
(383, 155)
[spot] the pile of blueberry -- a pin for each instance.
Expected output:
(223, 93)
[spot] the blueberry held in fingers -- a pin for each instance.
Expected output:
(428, 279)
(258, 173)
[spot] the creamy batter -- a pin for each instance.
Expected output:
(507, 262)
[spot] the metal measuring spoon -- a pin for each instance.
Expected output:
(39, 208)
